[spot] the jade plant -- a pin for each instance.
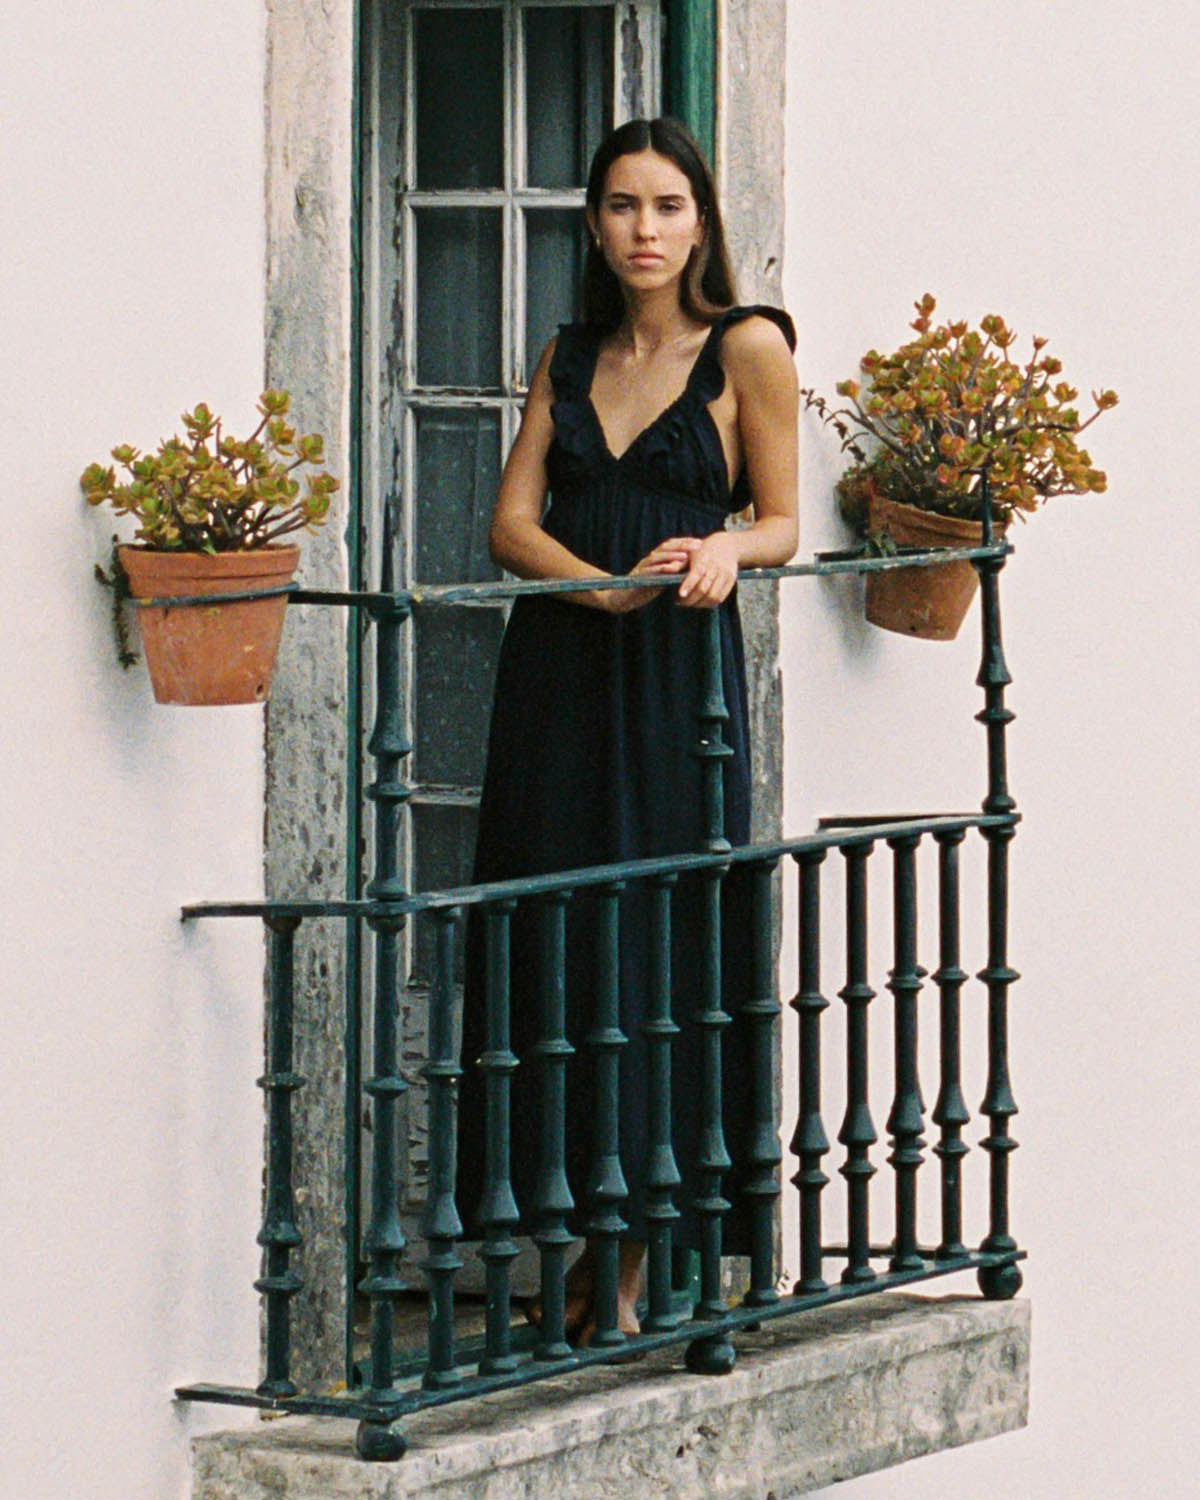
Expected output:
(212, 492)
(951, 405)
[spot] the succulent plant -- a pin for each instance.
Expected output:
(212, 492)
(952, 404)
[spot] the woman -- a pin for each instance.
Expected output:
(666, 411)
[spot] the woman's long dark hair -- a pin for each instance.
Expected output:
(707, 287)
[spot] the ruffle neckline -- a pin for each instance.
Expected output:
(661, 448)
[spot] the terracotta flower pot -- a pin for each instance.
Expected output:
(210, 654)
(929, 602)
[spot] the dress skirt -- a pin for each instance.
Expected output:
(592, 760)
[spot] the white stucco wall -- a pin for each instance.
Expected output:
(1031, 160)
(1041, 162)
(132, 274)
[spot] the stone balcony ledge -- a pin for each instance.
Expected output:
(815, 1399)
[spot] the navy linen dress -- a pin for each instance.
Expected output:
(591, 760)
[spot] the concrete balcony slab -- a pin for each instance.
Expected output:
(814, 1399)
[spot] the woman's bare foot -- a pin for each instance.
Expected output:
(578, 1300)
(629, 1285)
(579, 1286)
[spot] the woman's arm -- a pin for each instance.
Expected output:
(758, 365)
(518, 541)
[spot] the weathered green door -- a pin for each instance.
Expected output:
(479, 121)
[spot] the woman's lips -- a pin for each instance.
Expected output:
(645, 259)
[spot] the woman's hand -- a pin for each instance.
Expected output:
(667, 558)
(712, 567)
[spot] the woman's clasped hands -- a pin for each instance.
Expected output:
(710, 563)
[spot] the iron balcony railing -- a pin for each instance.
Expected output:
(388, 1386)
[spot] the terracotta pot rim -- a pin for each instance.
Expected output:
(168, 571)
(272, 549)
(934, 520)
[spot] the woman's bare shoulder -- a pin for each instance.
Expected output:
(543, 364)
(755, 352)
(539, 381)
(755, 338)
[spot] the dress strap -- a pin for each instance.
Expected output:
(571, 364)
(708, 377)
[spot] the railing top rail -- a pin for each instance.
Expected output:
(600, 875)
(822, 565)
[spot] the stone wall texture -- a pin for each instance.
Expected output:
(750, 161)
(309, 93)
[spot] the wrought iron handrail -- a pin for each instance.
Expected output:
(588, 876)
(824, 565)
(386, 907)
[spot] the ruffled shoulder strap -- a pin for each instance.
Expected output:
(571, 364)
(708, 378)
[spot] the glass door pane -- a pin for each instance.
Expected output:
(554, 246)
(458, 464)
(459, 115)
(568, 91)
(459, 259)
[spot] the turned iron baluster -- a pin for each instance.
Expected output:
(810, 1143)
(763, 1155)
(711, 749)
(858, 1130)
(384, 1241)
(440, 1223)
(998, 1103)
(498, 1213)
(607, 1189)
(552, 1200)
(950, 1113)
(279, 1234)
(713, 1354)
(662, 1170)
(905, 1121)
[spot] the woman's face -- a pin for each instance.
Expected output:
(647, 221)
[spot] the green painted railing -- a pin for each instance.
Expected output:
(392, 1386)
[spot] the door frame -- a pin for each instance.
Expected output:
(315, 157)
